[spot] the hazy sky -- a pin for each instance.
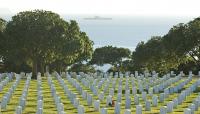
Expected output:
(132, 20)
(123, 7)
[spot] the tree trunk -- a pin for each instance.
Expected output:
(42, 68)
(34, 69)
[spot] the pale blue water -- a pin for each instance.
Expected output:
(126, 31)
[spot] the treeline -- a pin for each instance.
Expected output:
(178, 50)
(32, 40)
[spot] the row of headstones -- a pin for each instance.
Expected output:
(194, 106)
(93, 86)
(23, 98)
(127, 91)
(117, 109)
(6, 80)
(165, 95)
(126, 74)
(86, 83)
(101, 96)
(179, 100)
(172, 89)
(89, 99)
(136, 100)
(39, 95)
(178, 87)
(72, 96)
(129, 100)
(163, 110)
(85, 96)
(5, 75)
(167, 82)
(134, 90)
(7, 96)
(56, 97)
(2, 76)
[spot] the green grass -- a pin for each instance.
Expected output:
(50, 108)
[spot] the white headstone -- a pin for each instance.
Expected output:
(81, 109)
(19, 110)
(76, 102)
(155, 100)
(144, 95)
(127, 111)
(104, 111)
(97, 105)
(111, 92)
(89, 99)
(136, 99)
(162, 97)
(163, 110)
(117, 108)
(128, 103)
(40, 111)
(148, 105)
(101, 96)
(119, 97)
(108, 100)
(187, 111)
(138, 109)
(170, 106)
(134, 90)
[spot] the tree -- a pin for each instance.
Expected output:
(183, 40)
(110, 55)
(86, 68)
(40, 37)
(2, 25)
(83, 53)
(153, 55)
(87, 49)
(2, 37)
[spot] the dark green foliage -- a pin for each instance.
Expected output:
(82, 68)
(110, 55)
(38, 38)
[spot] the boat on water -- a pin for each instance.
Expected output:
(97, 18)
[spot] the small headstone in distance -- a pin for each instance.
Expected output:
(138, 109)
(136, 99)
(187, 111)
(81, 109)
(128, 103)
(104, 111)
(163, 110)
(170, 106)
(96, 105)
(155, 100)
(148, 105)
(127, 111)
(19, 110)
(117, 108)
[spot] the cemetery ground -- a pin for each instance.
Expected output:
(91, 94)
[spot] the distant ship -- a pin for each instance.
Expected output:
(97, 18)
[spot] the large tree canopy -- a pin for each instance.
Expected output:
(153, 55)
(42, 37)
(184, 40)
